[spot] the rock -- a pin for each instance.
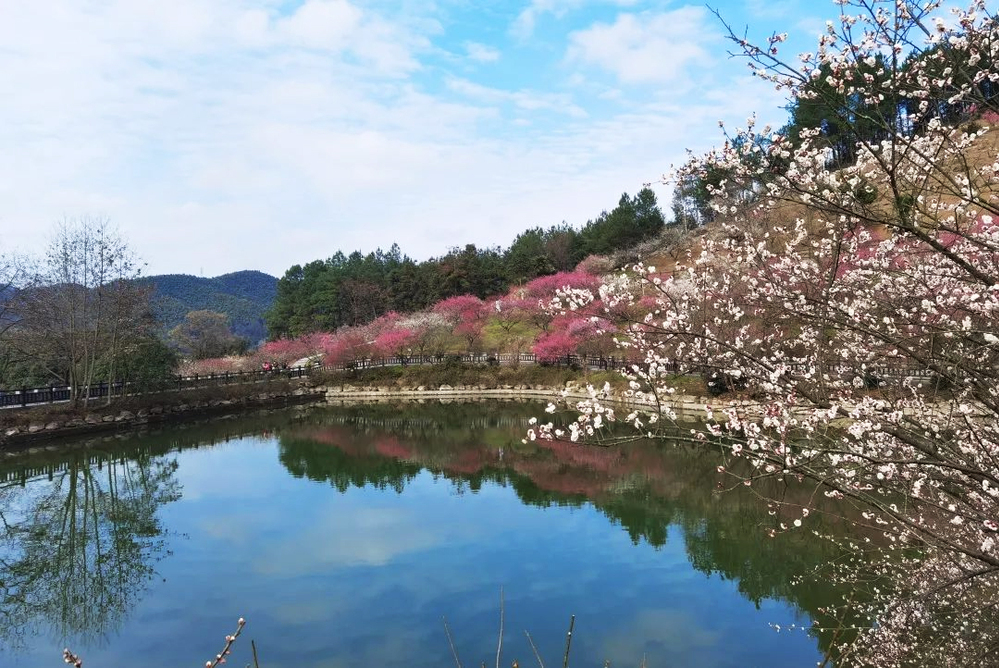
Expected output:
(142, 413)
(107, 418)
(91, 419)
(421, 388)
(75, 422)
(156, 410)
(125, 415)
(14, 431)
(52, 426)
(35, 428)
(445, 388)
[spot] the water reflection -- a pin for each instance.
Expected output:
(410, 511)
(646, 487)
(77, 549)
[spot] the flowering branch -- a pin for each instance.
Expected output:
(864, 242)
(229, 640)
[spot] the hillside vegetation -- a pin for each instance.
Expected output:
(243, 296)
(355, 289)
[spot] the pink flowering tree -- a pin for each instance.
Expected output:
(396, 342)
(545, 287)
(555, 346)
(850, 284)
(467, 316)
(288, 351)
(346, 345)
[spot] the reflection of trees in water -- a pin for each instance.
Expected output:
(645, 487)
(77, 546)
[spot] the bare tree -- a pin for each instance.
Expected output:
(80, 303)
(206, 334)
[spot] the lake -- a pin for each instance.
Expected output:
(345, 534)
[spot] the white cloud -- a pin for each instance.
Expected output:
(229, 136)
(523, 26)
(322, 24)
(481, 53)
(647, 48)
(522, 99)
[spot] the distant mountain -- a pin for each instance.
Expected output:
(243, 295)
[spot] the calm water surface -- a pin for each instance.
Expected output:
(343, 535)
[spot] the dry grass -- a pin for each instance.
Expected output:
(785, 214)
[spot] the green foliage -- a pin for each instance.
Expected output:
(905, 204)
(538, 252)
(355, 289)
(866, 192)
(634, 220)
(242, 296)
(147, 365)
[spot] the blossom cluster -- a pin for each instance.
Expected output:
(858, 304)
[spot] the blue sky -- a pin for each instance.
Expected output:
(221, 135)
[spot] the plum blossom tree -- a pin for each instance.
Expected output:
(395, 341)
(289, 351)
(554, 346)
(431, 332)
(546, 286)
(467, 315)
(345, 345)
(857, 299)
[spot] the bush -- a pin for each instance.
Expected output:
(718, 383)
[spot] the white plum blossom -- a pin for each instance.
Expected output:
(857, 302)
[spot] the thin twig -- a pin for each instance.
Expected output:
(450, 641)
(568, 641)
(533, 647)
(229, 640)
(499, 645)
(72, 659)
(253, 646)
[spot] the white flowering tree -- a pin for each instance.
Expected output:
(850, 293)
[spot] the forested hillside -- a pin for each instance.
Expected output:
(356, 289)
(244, 296)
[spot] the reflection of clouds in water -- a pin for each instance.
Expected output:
(664, 636)
(361, 537)
(381, 649)
(306, 612)
(241, 468)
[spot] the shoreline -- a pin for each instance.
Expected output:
(42, 429)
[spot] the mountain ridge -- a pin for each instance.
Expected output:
(243, 296)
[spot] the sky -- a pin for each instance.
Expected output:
(221, 135)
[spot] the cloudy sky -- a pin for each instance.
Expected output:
(221, 135)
